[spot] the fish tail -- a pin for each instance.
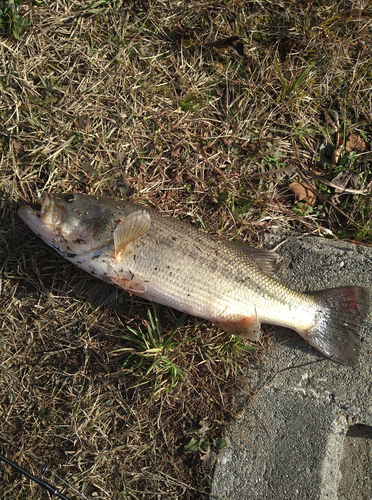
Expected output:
(340, 315)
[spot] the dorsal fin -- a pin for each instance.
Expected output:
(264, 259)
(129, 229)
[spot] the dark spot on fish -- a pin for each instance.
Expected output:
(70, 255)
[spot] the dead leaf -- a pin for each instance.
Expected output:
(83, 121)
(227, 142)
(302, 193)
(17, 146)
(341, 180)
(354, 180)
(120, 157)
(315, 168)
(231, 41)
(204, 426)
(209, 459)
(355, 144)
(176, 152)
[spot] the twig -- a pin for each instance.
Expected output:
(331, 184)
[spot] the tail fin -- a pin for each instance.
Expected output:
(341, 313)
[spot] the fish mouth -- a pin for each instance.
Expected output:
(43, 222)
(45, 204)
(51, 213)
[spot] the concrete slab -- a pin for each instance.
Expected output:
(306, 423)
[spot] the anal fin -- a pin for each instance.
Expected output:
(248, 327)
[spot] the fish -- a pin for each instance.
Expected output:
(166, 260)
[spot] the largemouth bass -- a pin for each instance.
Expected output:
(165, 260)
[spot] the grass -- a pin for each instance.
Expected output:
(126, 400)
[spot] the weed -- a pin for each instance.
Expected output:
(10, 19)
(151, 353)
(199, 440)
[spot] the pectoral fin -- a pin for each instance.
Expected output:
(243, 326)
(129, 229)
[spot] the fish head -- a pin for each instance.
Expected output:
(71, 223)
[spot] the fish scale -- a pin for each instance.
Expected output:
(168, 261)
(226, 282)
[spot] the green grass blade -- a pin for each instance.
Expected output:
(280, 74)
(301, 77)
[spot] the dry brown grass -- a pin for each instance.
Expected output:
(106, 101)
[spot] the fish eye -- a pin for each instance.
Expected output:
(69, 197)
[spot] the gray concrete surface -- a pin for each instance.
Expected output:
(305, 427)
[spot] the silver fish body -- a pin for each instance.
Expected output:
(166, 260)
